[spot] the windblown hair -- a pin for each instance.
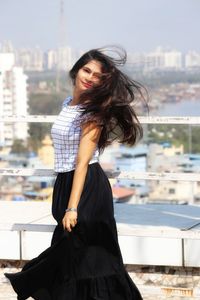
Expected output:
(110, 103)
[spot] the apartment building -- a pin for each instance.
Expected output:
(13, 99)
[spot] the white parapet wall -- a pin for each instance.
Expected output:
(162, 235)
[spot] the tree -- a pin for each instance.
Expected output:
(19, 147)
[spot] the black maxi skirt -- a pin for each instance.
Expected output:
(86, 263)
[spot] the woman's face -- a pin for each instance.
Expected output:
(88, 76)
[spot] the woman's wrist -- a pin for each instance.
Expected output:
(71, 209)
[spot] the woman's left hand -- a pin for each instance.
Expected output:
(69, 220)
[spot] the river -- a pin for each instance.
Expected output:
(182, 108)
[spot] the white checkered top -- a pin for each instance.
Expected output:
(66, 133)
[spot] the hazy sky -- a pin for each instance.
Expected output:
(136, 25)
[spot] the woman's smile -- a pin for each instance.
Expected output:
(87, 84)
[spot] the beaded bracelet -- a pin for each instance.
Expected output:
(71, 209)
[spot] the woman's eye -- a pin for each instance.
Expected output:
(86, 70)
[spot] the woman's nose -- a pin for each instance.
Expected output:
(90, 77)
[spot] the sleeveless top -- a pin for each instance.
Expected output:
(66, 134)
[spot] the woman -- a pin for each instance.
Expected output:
(84, 261)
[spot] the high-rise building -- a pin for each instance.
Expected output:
(23, 58)
(13, 99)
(51, 60)
(163, 59)
(173, 59)
(135, 61)
(65, 57)
(6, 46)
(37, 57)
(192, 59)
(155, 60)
(30, 59)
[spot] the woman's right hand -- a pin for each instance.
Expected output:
(69, 220)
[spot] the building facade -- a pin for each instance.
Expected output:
(13, 99)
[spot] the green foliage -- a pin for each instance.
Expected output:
(158, 78)
(195, 139)
(37, 132)
(176, 135)
(19, 147)
(43, 104)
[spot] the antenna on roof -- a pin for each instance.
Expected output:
(61, 43)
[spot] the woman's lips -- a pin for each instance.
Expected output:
(87, 85)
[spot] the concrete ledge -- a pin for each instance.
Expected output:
(148, 234)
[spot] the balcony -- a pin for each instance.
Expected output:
(160, 243)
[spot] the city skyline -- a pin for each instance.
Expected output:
(168, 48)
(138, 27)
(36, 59)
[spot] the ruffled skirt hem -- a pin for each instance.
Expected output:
(108, 287)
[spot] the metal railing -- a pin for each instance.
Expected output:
(116, 174)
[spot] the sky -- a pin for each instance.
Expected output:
(138, 26)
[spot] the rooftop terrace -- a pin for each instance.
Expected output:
(150, 235)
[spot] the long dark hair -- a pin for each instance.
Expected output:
(110, 103)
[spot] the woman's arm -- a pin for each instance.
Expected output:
(89, 138)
